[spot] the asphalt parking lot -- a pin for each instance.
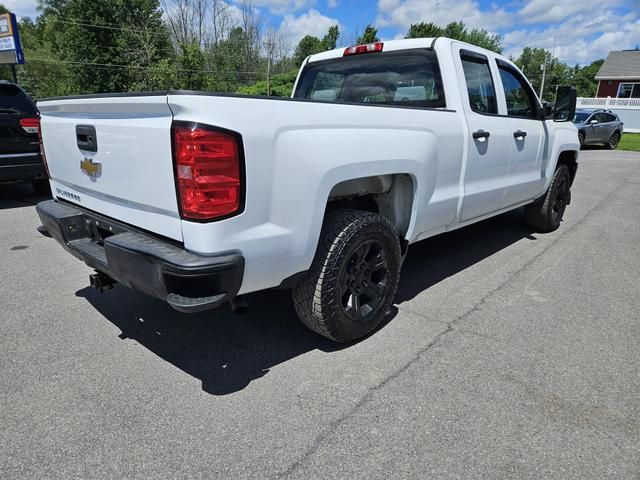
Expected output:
(510, 354)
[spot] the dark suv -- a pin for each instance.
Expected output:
(598, 126)
(19, 146)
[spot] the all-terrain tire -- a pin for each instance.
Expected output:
(545, 214)
(352, 247)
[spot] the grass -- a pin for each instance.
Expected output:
(630, 141)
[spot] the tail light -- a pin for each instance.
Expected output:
(30, 125)
(368, 48)
(208, 171)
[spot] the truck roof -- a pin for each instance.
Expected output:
(390, 45)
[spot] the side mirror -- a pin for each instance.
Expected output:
(565, 107)
(593, 121)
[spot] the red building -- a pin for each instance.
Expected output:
(619, 75)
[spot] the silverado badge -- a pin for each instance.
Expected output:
(94, 170)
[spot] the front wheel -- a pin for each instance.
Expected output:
(545, 214)
(614, 140)
(353, 278)
(581, 139)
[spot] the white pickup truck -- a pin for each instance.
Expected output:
(199, 198)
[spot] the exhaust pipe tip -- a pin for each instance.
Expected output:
(239, 305)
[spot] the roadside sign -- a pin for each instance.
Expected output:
(10, 46)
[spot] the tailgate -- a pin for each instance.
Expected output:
(113, 155)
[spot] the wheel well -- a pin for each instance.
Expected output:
(389, 195)
(568, 158)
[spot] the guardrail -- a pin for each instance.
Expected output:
(628, 109)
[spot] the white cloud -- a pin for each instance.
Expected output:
(402, 13)
(553, 11)
(583, 30)
(581, 38)
(282, 7)
(22, 8)
(310, 23)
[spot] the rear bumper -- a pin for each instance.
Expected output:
(149, 264)
(21, 167)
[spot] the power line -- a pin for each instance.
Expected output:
(116, 65)
(107, 27)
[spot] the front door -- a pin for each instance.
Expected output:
(527, 132)
(488, 159)
(597, 131)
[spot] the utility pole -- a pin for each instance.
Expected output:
(543, 67)
(268, 46)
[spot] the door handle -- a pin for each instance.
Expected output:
(519, 134)
(86, 137)
(480, 134)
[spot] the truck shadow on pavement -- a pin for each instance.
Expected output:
(17, 195)
(227, 352)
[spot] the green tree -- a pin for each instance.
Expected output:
(192, 68)
(281, 85)
(458, 31)
(370, 35)
(307, 46)
(330, 40)
(532, 61)
(583, 78)
(101, 56)
(424, 30)
(229, 67)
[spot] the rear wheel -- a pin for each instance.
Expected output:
(545, 214)
(614, 140)
(354, 276)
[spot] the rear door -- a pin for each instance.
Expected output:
(520, 104)
(16, 144)
(609, 123)
(113, 155)
(488, 157)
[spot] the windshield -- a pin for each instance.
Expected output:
(408, 78)
(581, 117)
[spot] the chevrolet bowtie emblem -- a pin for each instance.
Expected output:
(92, 169)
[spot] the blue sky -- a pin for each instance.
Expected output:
(583, 30)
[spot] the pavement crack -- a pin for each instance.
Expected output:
(318, 441)
(450, 328)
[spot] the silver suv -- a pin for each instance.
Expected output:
(598, 126)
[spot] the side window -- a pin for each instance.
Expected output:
(520, 100)
(609, 118)
(482, 94)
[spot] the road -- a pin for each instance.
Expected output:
(510, 354)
